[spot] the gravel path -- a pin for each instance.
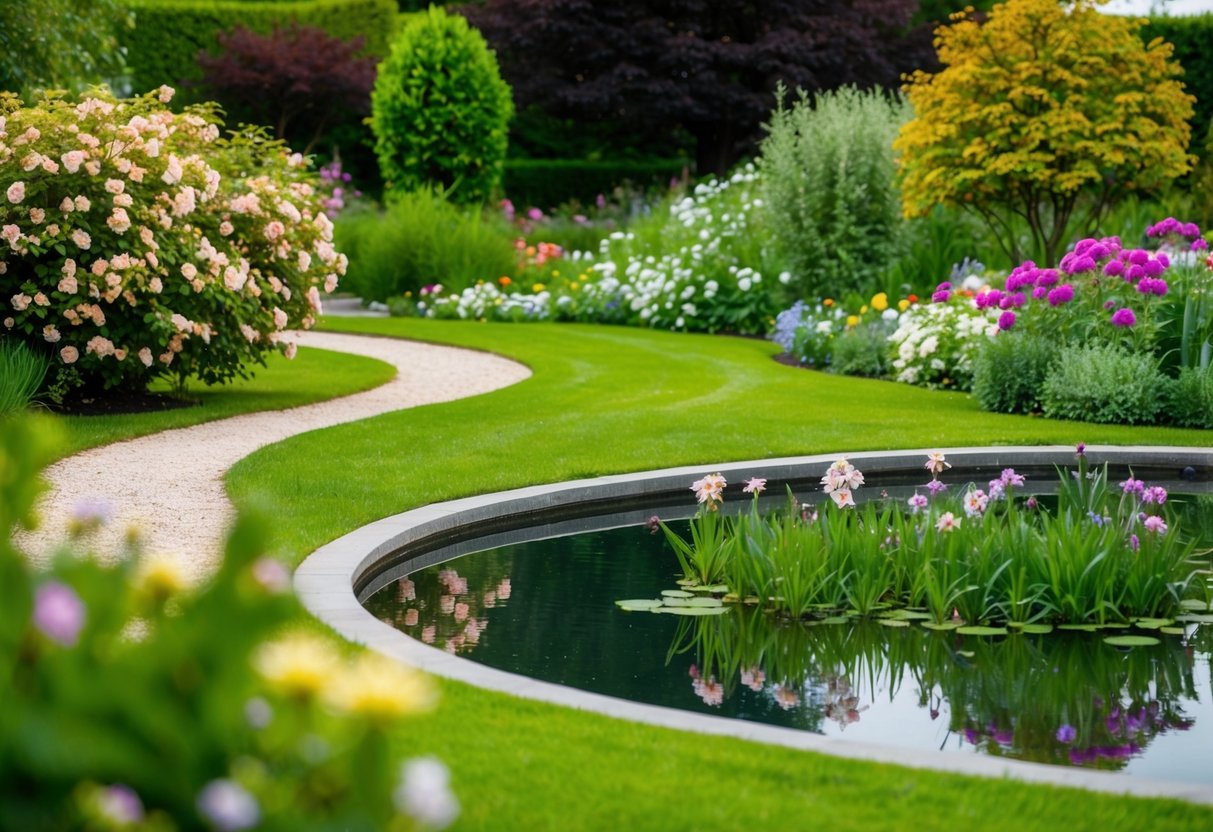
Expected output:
(169, 485)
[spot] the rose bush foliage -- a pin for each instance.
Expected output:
(136, 242)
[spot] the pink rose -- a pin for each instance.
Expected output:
(69, 354)
(16, 192)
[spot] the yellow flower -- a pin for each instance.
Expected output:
(574, 286)
(555, 272)
(880, 301)
(537, 288)
(297, 665)
(852, 321)
(381, 689)
(159, 579)
(863, 310)
(903, 305)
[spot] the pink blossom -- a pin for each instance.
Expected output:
(709, 490)
(100, 345)
(37, 215)
(118, 221)
(842, 497)
(21, 302)
(50, 334)
(68, 284)
(81, 238)
(10, 234)
(16, 192)
(461, 611)
(274, 230)
(41, 300)
(173, 171)
(754, 485)
(82, 203)
(73, 159)
(330, 283)
(93, 167)
(280, 319)
(947, 522)
(1155, 524)
(58, 613)
(290, 350)
(226, 229)
(165, 93)
(145, 356)
(937, 463)
(67, 206)
(69, 354)
(115, 186)
(313, 298)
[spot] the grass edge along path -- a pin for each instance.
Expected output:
(606, 400)
(314, 375)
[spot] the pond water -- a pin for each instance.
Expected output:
(546, 609)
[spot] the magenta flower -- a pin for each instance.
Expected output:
(936, 487)
(1134, 543)
(1062, 294)
(917, 503)
(1132, 486)
(1006, 320)
(1080, 449)
(1039, 293)
(1124, 317)
(1155, 524)
(1139, 257)
(1114, 268)
(941, 296)
(58, 613)
(1155, 494)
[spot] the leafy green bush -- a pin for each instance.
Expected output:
(828, 183)
(139, 243)
(1191, 404)
(117, 673)
(61, 44)
(860, 353)
(169, 34)
(1009, 371)
(21, 373)
(440, 110)
(1104, 383)
(421, 239)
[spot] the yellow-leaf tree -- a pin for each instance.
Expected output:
(1041, 117)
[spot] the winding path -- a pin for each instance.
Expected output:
(169, 485)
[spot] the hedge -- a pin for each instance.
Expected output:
(1191, 37)
(168, 34)
(546, 183)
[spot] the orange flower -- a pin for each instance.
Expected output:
(504, 281)
(828, 302)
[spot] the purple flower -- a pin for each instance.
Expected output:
(1031, 504)
(121, 805)
(941, 296)
(1154, 494)
(58, 613)
(1134, 543)
(1114, 268)
(1199, 245)
(1067, 734)
(1132, 486)
(1155, 267)
(918, 502)
(1006, 320)
(228, 806)
(942, 286)
(1124, 317)
(1062, 294)
(1039, 293)
(1046, 277)
(936, 487)
(1135, 273)
(1139, 256)
(1155, 524)
(1080, 449)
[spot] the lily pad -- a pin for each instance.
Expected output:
(677, 593)
(835, 619)
(1195, 618)
(693, 610)
(893, 622)
(638, 604)
(752, 599)
(704, 602)
(1171, 631)
(942, 625)
(709, 588)
(677, 602)
(906, 615)
(731, 598)
(1194, 604)
(982, 631)
(1131, 641)
(1081, 628)
(687, 582)
(1035, 629)
(1152, 623)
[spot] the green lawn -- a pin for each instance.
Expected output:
(314, 375)
(608, 400)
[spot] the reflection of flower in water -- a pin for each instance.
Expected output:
(449, 595)
(411, 617)
(709, 690)
(461, 611)
(428, 634)
(785, 697)
(471, 632)
(753, 678)
(490, 599)
(446, 604)
(503, 589)
(406, 590)
(842, 703)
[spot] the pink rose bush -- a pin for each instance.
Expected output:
(136, 242)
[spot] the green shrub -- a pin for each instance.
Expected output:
(21, 373)
(550, 182)
(421, 239)
(141, 243)
(860, 353)
(440, 110)
(1190, 37)
(1104, 383)
(828, 183)
(1009, 372)
(168, 35)
(1191, 404)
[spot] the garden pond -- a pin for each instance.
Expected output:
(546, 609)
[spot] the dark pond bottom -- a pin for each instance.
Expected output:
(547, 610)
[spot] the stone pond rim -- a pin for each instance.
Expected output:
(331, 581)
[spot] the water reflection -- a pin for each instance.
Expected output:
(448, 612)
(1057, 698)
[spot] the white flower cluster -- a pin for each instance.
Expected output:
(935, 343)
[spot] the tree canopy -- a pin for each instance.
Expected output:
(1040, 118)
(709, 67)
